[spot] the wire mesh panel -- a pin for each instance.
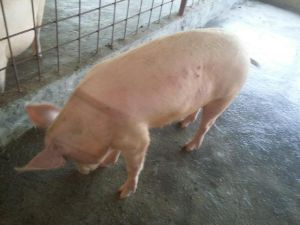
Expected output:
(68, 32)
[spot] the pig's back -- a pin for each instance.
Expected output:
(171, 77)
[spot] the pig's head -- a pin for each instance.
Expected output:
(67, 136)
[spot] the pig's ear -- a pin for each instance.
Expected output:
(42, 115)
(45, 160)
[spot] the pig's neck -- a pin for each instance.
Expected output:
(84, 128)
(95, 103)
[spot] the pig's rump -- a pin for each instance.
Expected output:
(170, 78)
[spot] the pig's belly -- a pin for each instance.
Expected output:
(164, 102)
(160, 115)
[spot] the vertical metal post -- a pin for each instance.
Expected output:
(151, 9)
(57, 40)
(79, 31)
(182, 7)
(172, 2)
(126, 20)
(99, 25)
(113, 25)
(36, 41)
(139, 15)
(161, 6)
(10, 49)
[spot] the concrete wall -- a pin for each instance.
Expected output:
(289, 4)
(14, 121)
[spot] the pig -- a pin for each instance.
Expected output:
(163, 81)
(18, 14)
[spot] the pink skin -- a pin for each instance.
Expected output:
(113, 108)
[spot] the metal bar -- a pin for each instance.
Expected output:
(99, 26)
(161, 6)
(103, 28)
(139, 15)
(172, 2)
(57, 37)
(126, 19)
(58, 45)
(10, 49)
(85, 35)
(113, 25)
(25, 59)
(59, 20)
(182, 7)
(36, 41)
(151, 10)
(79, 31)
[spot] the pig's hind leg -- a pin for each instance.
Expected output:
(210, 113)
(189, 119)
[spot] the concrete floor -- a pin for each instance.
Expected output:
(246, 172)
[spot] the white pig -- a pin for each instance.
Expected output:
(18, 14)
(163, 81)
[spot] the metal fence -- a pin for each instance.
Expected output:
(102, 21)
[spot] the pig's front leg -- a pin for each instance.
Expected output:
(134, 156)
(111, 158)
(189, 119)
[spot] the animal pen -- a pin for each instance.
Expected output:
(74, 31)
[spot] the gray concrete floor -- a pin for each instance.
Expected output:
(246, 172)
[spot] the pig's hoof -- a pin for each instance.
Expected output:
(190, 146)
(86, 169)
(126, 189)
(183, 124)
(83, 170)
